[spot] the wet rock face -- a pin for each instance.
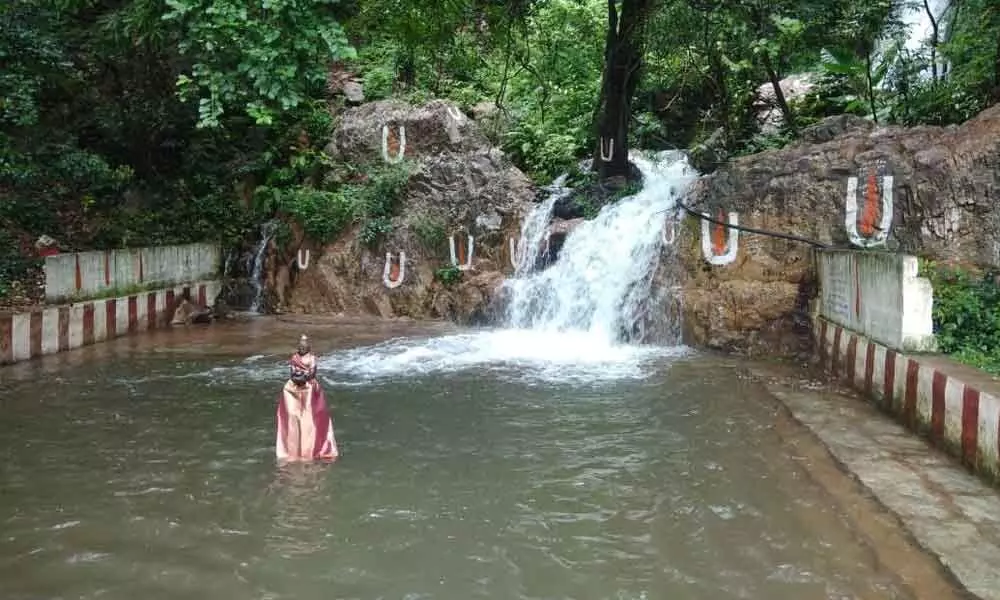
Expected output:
(462, 185)
(946, 182)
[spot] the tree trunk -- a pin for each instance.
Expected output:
(934, 41)
(870, 85)
(622, 64)
(718, 71)
(996, 72)
(779, 95)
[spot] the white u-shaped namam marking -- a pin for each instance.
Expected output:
(452, 247)
(303, 264)
(385, 144)
(387, 271)
(610, 154)
(456, 114)
(851, 214)
(515, 259)
(669, 232)
(732, 241)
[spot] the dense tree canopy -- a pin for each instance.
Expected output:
(141, 121)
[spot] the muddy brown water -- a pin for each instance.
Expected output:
(144, 468)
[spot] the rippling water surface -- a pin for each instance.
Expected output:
(650, 474)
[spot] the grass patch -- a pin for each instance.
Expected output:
(966, 313)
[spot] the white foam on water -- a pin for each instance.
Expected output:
(509, 353)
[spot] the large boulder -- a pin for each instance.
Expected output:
(946, 182)
(461, 186)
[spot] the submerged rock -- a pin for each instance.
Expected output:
(188, 312)
(946, 181)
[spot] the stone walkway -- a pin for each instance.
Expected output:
(949, 512)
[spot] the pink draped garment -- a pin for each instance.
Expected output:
(305, 430)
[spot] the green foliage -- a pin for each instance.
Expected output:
(763, 142)
(96, 148)
(325, 214)
(431, 232)
(449, 275)
(373, 228)
(13, 267)
(967, 314)
(263, 59)
(377, 200)
(556, 73)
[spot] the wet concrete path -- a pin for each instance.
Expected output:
(948, 511)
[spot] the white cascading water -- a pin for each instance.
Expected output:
(535, 226)
(601, 280)
(918, 22)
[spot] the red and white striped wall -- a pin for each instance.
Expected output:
(957, 416)
(44, 331)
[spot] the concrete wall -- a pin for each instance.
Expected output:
(954, 406)
(41, 331)
(90, 274)
(879, 295)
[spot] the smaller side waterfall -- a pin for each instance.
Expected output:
(256, 266)
(244, 272)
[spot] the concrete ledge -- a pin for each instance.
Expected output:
(28, 335)
(960, 414)
(84, 275)
(878, 294)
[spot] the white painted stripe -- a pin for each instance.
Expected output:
(878, 373)
(845, 339)
(100, 320)
(989, 420)
(121, 316)
(828, 345)
(860, 354)
(161, 305)
(21, 336)
(953, 392)
(50, 331)
(899, 384)
(925, 392)
(76, 325)
(141, 310)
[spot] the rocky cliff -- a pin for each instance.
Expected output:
(461, 185)
(945, 186)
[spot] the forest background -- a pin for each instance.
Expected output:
(139, 122)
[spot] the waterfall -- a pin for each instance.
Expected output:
(256, 266)
(918, 19)
(565, 321)
(602, 278)
(915, 18)
(536, 225)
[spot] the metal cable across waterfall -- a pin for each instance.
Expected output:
(774, 234)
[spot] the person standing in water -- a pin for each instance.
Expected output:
(304, 427)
